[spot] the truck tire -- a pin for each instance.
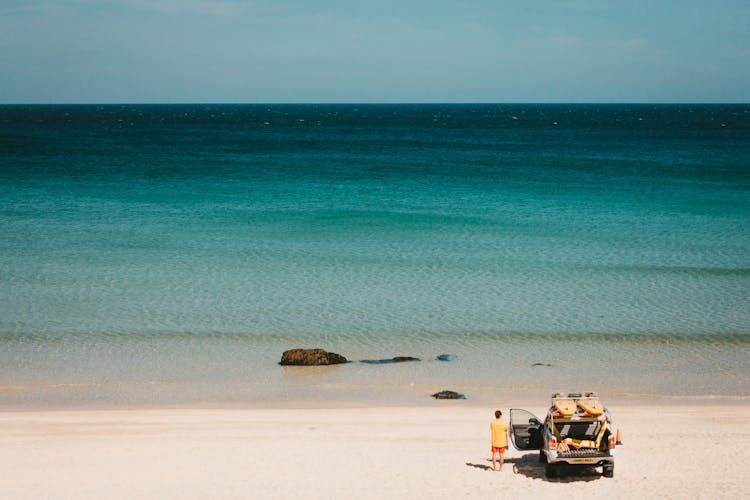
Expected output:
(550, 470)
(608, 470)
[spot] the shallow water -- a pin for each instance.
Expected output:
(171, 253)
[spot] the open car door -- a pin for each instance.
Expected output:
(525, 430)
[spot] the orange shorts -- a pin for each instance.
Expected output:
(499, 450)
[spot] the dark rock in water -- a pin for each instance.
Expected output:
(446, 357)
(448, 395)
(397, 359)
(541, 364)
(311, 357)
(401, 359)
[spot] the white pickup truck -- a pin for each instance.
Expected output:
(577, 431)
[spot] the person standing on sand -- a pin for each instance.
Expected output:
(499, 431)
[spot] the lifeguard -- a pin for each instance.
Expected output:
(499, 430)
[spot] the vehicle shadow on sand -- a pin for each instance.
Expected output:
(529, 465)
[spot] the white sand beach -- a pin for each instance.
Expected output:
(672, 451)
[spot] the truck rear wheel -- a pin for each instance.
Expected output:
(608, 470)
(550, 470)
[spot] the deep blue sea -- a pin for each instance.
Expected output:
(170, 253)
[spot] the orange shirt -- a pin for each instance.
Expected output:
(499, 433)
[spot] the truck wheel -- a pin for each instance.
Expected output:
(608, 470)
(550, 470)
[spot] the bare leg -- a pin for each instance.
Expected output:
(502, 459)
(493, 461)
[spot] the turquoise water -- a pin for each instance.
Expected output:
(170, 253)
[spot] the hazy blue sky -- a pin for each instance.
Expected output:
(374, 51)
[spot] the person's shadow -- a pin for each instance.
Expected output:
(479, 466)
(531, 466)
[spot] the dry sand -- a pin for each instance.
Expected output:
(673, 451)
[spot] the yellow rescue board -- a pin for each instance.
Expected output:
(591, 406)
(566, 407)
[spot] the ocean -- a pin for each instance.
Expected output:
(168, 254)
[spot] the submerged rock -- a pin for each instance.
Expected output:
(401, 359)
(311, 357)
(397, 359)
(446, 357)
(448, 395)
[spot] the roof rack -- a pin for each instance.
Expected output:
(573, 395)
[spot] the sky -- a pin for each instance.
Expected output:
(277, 51)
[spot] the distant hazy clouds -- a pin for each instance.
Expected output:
(374, 51)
